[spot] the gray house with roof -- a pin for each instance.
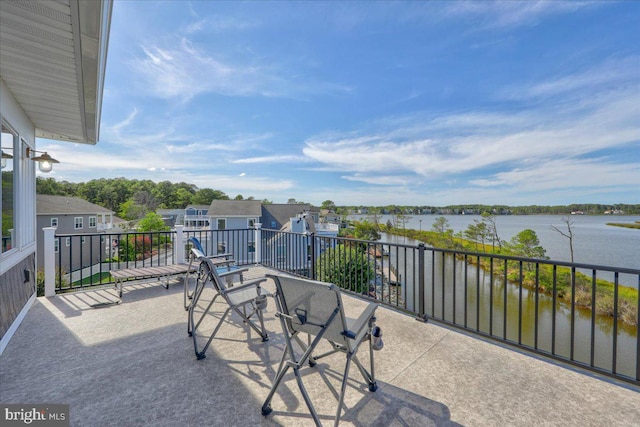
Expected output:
(71, 215)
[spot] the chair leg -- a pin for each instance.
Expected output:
(266, 406)
(343, 389)
(201, 355)
(305, 395)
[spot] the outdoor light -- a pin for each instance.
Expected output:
(5, 156)
(45, 161)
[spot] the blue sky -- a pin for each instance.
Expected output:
(373, 103)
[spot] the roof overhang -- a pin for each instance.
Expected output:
(53, 58)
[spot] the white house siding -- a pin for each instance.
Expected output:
(15, 287)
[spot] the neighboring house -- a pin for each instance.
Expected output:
(330, 217)
(52, 69)
(195, 216)
(234, 214)
(172, 217)
(72, 215)
(275, 216)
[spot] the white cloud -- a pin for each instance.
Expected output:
(287, 158)
(182, 70)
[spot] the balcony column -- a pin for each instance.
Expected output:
(257, 242)
(178, 245)
(49, 254)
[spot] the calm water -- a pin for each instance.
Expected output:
(594, 242)
(510, 312)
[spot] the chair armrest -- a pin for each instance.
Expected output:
(233, 272)
(356, 328)
(244, 286)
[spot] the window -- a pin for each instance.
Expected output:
(83, 239)
(222, 247)
(77, 223)
(251, 222)
(222, 223)
(273, 225)
(56, 245)
(92, 222)
(54, 222)
(9, 144)
(67, 241)
(251, 248)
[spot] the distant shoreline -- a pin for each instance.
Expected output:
(632, 225)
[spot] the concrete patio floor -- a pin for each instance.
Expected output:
(132, 364)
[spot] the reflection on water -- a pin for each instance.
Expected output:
(473, 299)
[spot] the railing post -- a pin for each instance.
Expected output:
(178, 246)
(312, 267)
(49, 261)
(421, 284)
(257, 244)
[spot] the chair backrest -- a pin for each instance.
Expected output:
(310, 305)
(196, 244)
(208, 269)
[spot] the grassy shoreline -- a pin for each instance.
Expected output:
(633, 225)
(583, 293)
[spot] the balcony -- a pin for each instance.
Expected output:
(132, 363)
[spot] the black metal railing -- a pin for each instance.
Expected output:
(85, 260)
(585, 315)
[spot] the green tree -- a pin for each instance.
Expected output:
(491, 229)
(204, 196)
(130, 210)
(152, 222)
(366, 230)
(347, 267)
(328, 204)
(527, 244)
(239, 197)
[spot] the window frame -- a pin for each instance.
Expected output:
(52, 222)
(223, 221)
(75, 223)
(95, 221)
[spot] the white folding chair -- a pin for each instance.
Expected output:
(246, 299)
(316, 309)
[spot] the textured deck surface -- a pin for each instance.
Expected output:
(132, 363)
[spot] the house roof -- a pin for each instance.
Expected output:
(53, 59)
(229, 208)
(283, 212)
(197, 207)
(59, 205)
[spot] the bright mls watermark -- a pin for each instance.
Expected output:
(49, 415)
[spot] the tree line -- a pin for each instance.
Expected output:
(476, 209)
(131, 198)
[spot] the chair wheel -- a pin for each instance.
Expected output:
(373, 387)
(312, 363)
(200, 356)
(266, 411)
(265, 338)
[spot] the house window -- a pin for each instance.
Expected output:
(54, 222)
(77, 222)
(56, 245)
(222, 223)
(273, 225)
(251, 222)
(222, 247)
(67, 241)
(9, 143)
(83, 239)
(251, 248)
(92, 222)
